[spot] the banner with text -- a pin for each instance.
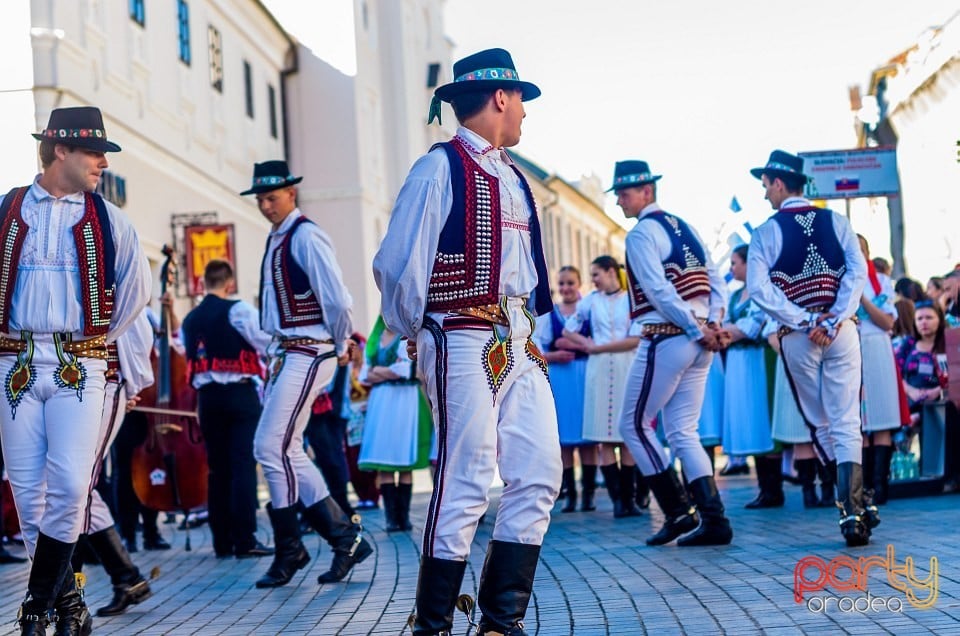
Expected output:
(848, 174)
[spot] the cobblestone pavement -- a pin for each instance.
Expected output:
(596, 576)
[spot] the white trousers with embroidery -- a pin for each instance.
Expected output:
(50, 444)
(826, 383)
(669, 374)
(278, 444)
(98, 515)
(512, 426)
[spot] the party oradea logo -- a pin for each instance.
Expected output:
(840, 585)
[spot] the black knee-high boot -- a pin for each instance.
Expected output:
(506, 583)
(388, 492)
(347, 542)
(570, 488)
(881, 473)
(588, 480)
(714, 527)
(404, 495)
(438, 587)
(807, 473)
(129, 586)
(770, 480)
(290, 554)
(628, 506)
(672, 498)
(51, 564)
(828, 482)
(643, 490)
(853, 524)
(611, 478)
(73, 617)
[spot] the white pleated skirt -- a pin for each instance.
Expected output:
(603, 395)
(788, 424)
(880, 407)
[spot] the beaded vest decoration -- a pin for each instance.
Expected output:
(297, 305)
(811, 262)
(685, 266)
(466, 269)
(95, 251)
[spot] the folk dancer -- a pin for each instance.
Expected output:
(305, 307)
(461, 270)
(73, 278)
(813, 290)
(678, 298)
(223, 344)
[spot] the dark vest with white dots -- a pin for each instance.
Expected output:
(685, 266)
(811, 261)
(466, 270)
(297, 305)
(96, 256)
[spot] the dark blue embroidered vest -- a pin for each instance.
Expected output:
(811, 261)
(96, 255)
(213, 344)
(557, 324)
(466, 270)
(685, 266)
(297, 305)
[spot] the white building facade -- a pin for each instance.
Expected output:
(192, 92)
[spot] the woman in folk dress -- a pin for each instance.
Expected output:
(880, 402)
(568, 371)
(611, 350)
(398, 428)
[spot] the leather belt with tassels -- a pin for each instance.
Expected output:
(95, 347)
(487, 313)
(286, 343)
(660, 329)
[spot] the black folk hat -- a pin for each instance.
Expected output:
(486, 70)
(271, 175)
(630, 173)
(80, 126)
(782, 163)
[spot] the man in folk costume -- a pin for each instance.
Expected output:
(223, 343)
(128, 373)
(462, 272)
(73, 277)
(679, 298)
(806, 270)
(305, 307)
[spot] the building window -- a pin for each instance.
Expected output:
(248, 87)
(136, 11)
(272, 101)
(216, 59)
(183, 28)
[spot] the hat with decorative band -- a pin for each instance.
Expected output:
(781, 163)
(80, 126)
(631, 173)
(271, 175)
(486, 70)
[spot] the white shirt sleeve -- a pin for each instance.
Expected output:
(646, 262)
(133, 279)
(313, 251)
(575, 320)
(543, 332)
(403, 265)
(245, 319)
(133, 350)
(764, 250)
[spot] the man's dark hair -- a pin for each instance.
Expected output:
(466, 105)
(793, 183)
(909, 288)
(741, 251)
(48, 154)
(217, 273)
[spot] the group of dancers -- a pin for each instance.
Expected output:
(463, 279)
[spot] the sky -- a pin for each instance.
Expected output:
(702, 90)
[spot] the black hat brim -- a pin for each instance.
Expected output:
(270, 188)
(624, 186)
(90, 143)
(759, 172)
(448, 91)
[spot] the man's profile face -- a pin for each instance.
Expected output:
(774, 191)
(277, 205)
(513, 117)
(633, 200)
(81, 168)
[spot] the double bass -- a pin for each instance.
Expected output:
(170, 467)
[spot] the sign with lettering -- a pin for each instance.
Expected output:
(203, 244)
(848, 174)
